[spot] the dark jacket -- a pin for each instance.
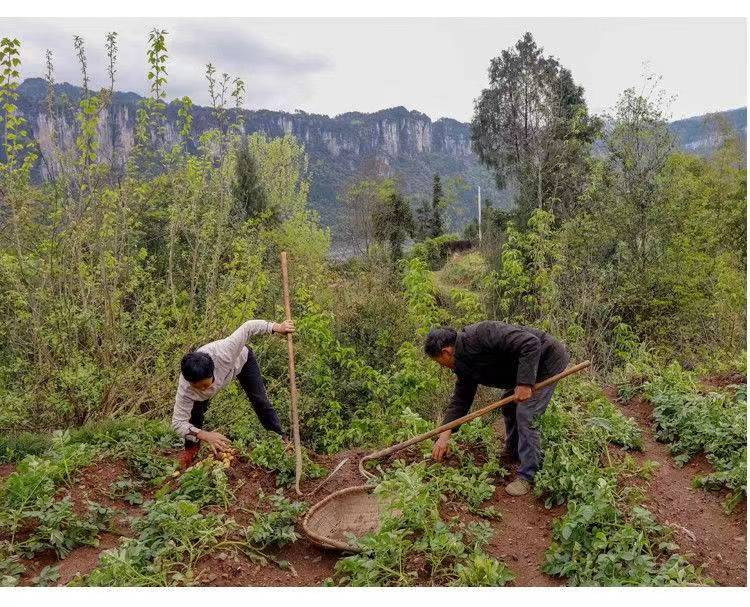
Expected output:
(495, 354)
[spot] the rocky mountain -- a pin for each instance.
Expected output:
(396, 140)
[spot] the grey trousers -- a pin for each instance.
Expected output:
(522, 440)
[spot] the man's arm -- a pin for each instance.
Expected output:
(183, 406)
(232, 345)
(528, 349)
(463, 395)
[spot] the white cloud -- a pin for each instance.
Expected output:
(437, 66)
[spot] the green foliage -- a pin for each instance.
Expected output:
(47, 576)
(203, 484)
(276, 527)
(601, 540)
(466, 271)
(714, 424)
(60, 528)
(433, 251)
(414, 545)
(127, 490)
(172, 536)
(247, 188)
(10, 566)
(15, 446)
(531, 127)
(30, 488)
(481, 570)
(272, 454)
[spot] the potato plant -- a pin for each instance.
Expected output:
(414, 545)
(713, 423)
(602, 539)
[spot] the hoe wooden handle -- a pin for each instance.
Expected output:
(465, 418)
(292, 379)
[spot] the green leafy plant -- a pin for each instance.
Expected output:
(272, 454)
(713, 423)
(275, 527)
(47, 576)
(61, 529)
(126, 489)
(601, 539)
(171, 537)
(203, 484)
(414, 544)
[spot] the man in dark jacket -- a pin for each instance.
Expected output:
(505, 356)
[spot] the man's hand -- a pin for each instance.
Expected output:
(217, 441)
(442, 446)
(283, 328)
(522, 392)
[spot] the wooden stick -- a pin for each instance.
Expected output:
(464, 419)
(292, 380)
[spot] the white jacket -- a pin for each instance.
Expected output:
(229, 356)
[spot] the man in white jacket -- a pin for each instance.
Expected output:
(211, 367)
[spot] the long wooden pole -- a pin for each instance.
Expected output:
(464, 419)
(292, 379)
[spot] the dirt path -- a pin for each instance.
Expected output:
(522, 536)
(704, 532)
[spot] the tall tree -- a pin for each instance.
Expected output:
(392, 221)
(437, 202)
(247, 188)
(531, 126)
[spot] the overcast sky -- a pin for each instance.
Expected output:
(436, 66)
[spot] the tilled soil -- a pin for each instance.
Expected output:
(704, 532)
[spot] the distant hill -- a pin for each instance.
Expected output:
(399, 141)
(697, 135)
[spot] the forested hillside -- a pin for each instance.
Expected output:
(115, 267)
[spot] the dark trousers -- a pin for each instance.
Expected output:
(252, 383)
(522, 440)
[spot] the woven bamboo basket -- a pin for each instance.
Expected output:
(353, 510)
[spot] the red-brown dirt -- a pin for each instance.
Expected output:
(704, 532)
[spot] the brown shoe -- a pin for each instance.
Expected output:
(520, 486)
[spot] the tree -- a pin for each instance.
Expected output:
(392, 220)
(638, 145)
(247, 188)
(531, 126)
(429, 214)
(437, 201)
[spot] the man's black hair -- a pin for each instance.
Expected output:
(437, 339)
(196, 366)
